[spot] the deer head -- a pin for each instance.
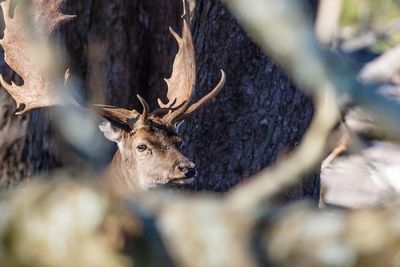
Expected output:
(148, 142)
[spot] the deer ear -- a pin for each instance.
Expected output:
(111, 132)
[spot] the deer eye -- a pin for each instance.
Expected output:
(141, 147)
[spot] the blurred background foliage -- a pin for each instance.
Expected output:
(364, 16)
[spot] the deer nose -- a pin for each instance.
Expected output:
(186, 168)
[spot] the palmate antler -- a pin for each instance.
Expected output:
(21, 56)
(183, 78)
(180, 86)
(38, 90)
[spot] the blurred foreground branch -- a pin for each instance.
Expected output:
(383, 69)
(69, 224)
(327, 21)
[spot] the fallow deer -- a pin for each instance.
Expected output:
(147, 153)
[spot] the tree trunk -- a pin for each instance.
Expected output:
(121, 48)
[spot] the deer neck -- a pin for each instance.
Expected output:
(123, 170)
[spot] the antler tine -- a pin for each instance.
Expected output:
(145, 113)
(172, 117)
(186, 10)
(203, 100)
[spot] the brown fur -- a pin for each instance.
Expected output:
(157, 165)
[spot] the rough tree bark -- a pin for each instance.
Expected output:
(121, 48)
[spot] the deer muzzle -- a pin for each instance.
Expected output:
(185, 170)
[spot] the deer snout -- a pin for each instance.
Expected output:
(186, 168)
